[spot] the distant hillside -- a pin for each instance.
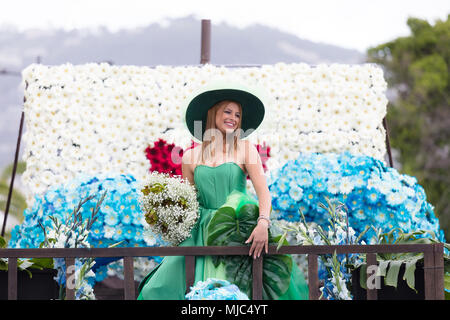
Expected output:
(176, 44)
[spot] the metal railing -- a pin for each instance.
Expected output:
(433, 263)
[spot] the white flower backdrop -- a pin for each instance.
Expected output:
(98, 118)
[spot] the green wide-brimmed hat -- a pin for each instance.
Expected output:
(250, 98)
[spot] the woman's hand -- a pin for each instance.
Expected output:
(259, 238)
(260, 234)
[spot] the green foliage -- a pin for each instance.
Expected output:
(7, 172)
(389, 263)
(447, 286)
(25, 264)
(18, 202)
(416, 68)
(230, 227)
(2, 243)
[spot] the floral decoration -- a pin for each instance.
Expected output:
(374, 194)
(119, 218)
(215, 289)
(73, 232)
(98, 118)
(332, 267)
(164, 157)
(169, 205)
(96, 127)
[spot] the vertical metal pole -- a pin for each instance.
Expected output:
(13, 175)
(388, 144)
(371, 261)
(257, 278)
(190, 271)
(313, 277)
(428, 274)
(12, 278)
(206, 42)
(439, 270)
(70, 279)
(129, 293)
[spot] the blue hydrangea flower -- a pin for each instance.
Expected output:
(215, 289)
(129, 232)
(374, 194)
(304, 179)
(360, 214)
(119, 217)
(97, 230)
(333, 186)
(319, 185)
(283, 202)
(111, 218)
(296, 193)
(101, 273)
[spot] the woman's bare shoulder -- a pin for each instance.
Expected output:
(247, 147)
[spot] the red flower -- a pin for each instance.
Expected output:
(166, 158)
(264, 153)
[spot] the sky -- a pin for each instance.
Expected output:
(356, 24)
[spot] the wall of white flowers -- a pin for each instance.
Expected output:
(96, 118)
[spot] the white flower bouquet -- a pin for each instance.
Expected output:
(170, 206)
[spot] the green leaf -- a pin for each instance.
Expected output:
(447, 281)
(361, 235)
(238, 271)
(447, 295)
(447, 286)
(221, 226)
(28, 272)
(282, 240)
(382, 267)
(247, 217)
(7, 171)
(276, 275)
(410, 268)
(116, 244)
(2, 243)
(391, 278)
(278, 239)
(229, 227)
(3, 265)
(363, 276)
(42, 263)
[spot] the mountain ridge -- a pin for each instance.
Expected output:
(253, 45)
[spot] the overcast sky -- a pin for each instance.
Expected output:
(348, 23)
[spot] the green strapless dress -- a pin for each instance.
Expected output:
(167, 281)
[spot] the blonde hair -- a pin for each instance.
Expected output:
(210, 142)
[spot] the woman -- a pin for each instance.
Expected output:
(220, 118)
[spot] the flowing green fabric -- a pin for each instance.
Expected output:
(168, 280)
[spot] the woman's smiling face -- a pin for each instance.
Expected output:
(228, 117)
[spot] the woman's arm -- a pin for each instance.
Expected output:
(253, 165)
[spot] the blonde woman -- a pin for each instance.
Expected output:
(219, 118)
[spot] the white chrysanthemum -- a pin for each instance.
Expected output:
(47, 177)
(142, 103)
(346, 186)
